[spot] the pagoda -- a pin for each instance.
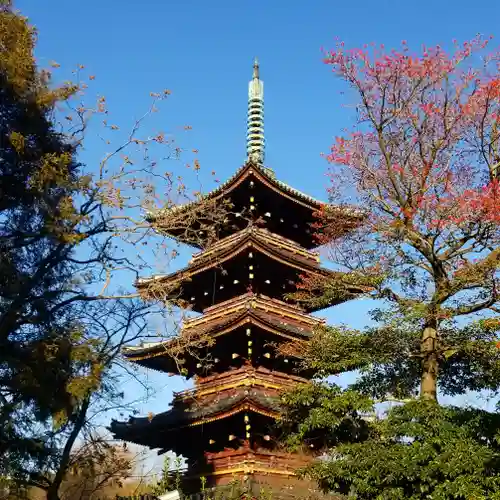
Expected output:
(225, 426)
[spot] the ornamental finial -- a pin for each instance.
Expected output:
(255, 122)
(256, 69)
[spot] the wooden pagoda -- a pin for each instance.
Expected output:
(225, 426)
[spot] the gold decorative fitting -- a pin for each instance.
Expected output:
(246, 418)
(268, 281)
(231, 437)
(250, 268)
(235, 355)
(235, 282)
(248, 427)
(267, 438)
(250, 342)
(267, 355)
(211, 441)
(252, 207)
(268, 214)
(252, 199)
(249, 351)
(250, 276)
(248, 435)
(250, 255)
(198, 365)
(249, 331)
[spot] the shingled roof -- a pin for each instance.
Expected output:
(265, 175)
(269, 314)
(269, 244)
(202, 410)
(263, 237)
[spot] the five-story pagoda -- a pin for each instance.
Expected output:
(224, 427)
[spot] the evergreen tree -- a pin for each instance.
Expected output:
(65, 231)
(38, 178)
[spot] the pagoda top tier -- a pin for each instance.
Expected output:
(253, 194)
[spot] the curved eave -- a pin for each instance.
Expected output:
(227, 190)
(187, 273)
(240, 175)
(259, 236)
(135, 427)
(246, 318)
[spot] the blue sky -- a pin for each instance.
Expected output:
(203, 51)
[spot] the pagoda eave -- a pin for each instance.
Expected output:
(271, 315)
(162, 429)
(216, 397)
(174, 288)
(264, 175)
(272, 194)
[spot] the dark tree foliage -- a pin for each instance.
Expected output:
(422, 450)
(63, 235)
(38, 176)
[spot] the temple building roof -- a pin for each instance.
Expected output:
(247, 389)
(255, 192)
(199, 410)
(264, 175)
(272, 315)
(261, 237)
(225, 270)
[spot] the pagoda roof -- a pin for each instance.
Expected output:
(215, 397)
(263, 238)
(196, 410)
(247, 375)
(263, 174)
(268, 244)
(272, 315)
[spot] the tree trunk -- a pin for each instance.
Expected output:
(430, 365)
(53, 491)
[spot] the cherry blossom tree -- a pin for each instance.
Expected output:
(421, 169)
(422, 164)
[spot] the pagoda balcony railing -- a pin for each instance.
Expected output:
(245, 375)
(248, 461)
(261, 302)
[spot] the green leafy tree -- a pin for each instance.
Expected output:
(38, 177)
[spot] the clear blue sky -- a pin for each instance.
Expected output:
(203, 52)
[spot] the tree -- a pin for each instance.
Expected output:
(422, 167)
(37, 179)
(420, 451)
(96, 468)
(423, 161)
(66, 232)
